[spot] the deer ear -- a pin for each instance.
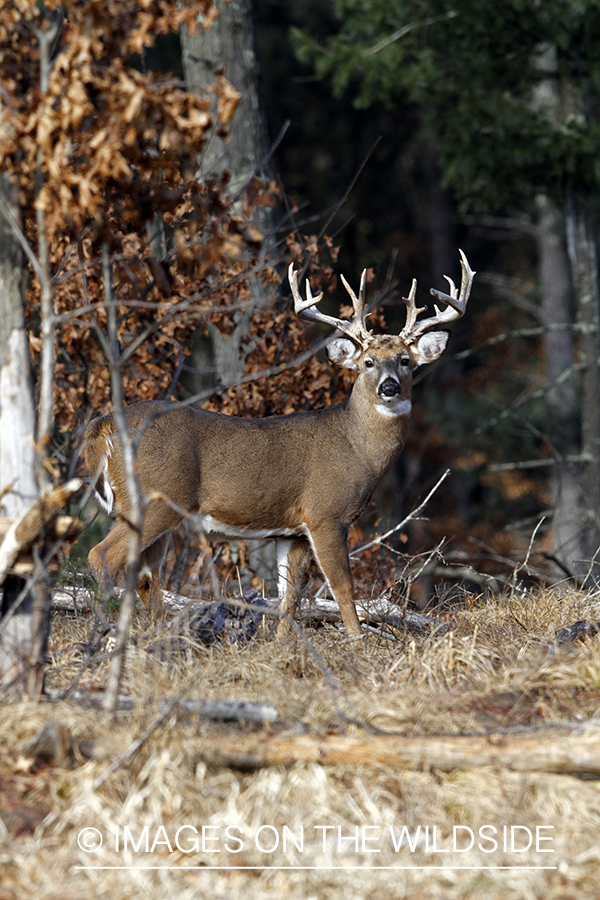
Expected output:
(430, 346)
(344, 352)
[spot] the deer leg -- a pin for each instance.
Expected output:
(330, 548)
(108, 558)
(292, 556)
(149, 581)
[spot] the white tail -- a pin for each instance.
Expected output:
(301, 479)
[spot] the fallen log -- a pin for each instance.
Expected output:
(225, 710)
(379, 611)
(571, 750)
(72, 599)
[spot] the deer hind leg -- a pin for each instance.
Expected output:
(330, 548)
(292, 556)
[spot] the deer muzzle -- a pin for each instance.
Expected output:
(389, 388)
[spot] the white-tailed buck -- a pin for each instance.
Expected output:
(300, 478)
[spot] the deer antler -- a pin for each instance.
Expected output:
(355, 329)
(456, 304)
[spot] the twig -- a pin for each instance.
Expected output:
(28, 527)
(126, 755)
(135, 511)
(47, 314)
(406, 29)
(525, 563)
(409, 517)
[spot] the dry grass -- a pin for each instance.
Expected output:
(492, 671)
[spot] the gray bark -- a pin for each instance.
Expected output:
(17, 412)
(18, 487)
(575, 534)
(584, 263)
(555, 285)
(229, 44)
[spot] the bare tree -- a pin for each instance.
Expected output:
(582, 249)
(18, 487)
(23, 446)
(555, 285)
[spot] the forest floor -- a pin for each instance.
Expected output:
(164, 802)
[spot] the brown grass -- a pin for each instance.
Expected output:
(492, 671)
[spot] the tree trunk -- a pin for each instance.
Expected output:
(229, 44)
(576, 491)
(18, 488)
(17, 412)
(563, 433)
(584, 264)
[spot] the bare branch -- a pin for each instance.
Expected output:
(133, 491)
(406, 29)
(405, 521)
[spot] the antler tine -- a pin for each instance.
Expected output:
(301, 305)
(354, 329)
(412, 311)
(358, 322)
(456, 304)
(456, 301)
(357, 302)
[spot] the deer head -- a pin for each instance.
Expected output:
(385, 362)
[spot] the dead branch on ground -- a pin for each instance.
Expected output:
(569, 749)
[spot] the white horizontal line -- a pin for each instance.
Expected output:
(316, 868)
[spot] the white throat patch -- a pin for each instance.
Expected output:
(393, 410)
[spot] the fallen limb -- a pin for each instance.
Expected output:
(25, 530)
(226, 710)
(572, 751)
(378, 611)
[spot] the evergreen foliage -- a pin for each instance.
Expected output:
(472, 70)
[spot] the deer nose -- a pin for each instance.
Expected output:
(389, 387)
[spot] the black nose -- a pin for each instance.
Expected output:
(389, 388)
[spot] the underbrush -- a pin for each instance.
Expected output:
(141, 780)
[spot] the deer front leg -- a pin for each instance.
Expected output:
(330, 547)
(149, 585)
(292, 556)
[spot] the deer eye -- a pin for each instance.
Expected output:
(404, 361)
(369, 363)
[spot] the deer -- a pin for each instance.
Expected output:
(300, 478)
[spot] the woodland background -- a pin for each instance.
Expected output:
(178, 169)
(161, 164)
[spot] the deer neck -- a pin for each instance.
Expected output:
(377, 429)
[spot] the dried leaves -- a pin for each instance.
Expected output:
(109, 157)
(106, 133)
